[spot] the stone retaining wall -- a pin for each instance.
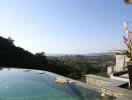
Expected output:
(107, 86)
(97, 81)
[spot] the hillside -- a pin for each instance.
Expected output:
(12, 56)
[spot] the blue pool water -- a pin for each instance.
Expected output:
(16, 84)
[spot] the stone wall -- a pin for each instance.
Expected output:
(97, 81)
(121, 62)
(106, 86)
(111, 92)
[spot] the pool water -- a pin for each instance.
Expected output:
(16, 84)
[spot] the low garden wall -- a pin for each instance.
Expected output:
(108, 86)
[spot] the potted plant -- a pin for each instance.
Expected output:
(128, 52)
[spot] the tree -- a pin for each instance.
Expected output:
(10, 40)
(41, 57)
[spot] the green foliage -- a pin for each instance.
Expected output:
(79, 65)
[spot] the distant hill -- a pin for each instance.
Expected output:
(100, 54)
(90, 54)
(56, 55)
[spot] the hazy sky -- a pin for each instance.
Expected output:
(64, 26)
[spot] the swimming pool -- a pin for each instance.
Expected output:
(18, 84)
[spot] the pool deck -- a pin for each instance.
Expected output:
(110, 87)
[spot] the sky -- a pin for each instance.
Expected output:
(65, 26)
